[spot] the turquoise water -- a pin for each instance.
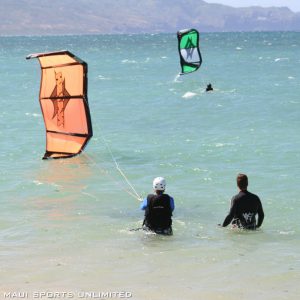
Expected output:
(65, 224)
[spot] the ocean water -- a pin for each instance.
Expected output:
(66, 225)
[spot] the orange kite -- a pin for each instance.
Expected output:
(64, 103)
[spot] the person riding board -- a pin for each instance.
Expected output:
(158, 209)
(209, 87)
(244, 207)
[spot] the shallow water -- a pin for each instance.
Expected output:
(65, 225)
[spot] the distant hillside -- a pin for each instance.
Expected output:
(39, 17)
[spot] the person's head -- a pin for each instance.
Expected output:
(159, 185)
(242, 182)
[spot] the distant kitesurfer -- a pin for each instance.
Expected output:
(244, 207)
(158, 209)
(209, 87)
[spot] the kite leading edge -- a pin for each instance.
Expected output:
(189, 52)
(64, 103)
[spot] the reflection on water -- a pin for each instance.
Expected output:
(62, 182)
(65, 173)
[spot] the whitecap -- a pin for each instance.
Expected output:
(205, 237)
(128, 61)
(138, 151)
(33, 115)
(101, 77)
(286, 232)
(238, 48)
(219, 145)
(189, 95)
(200, 170)
(207, 179)
(176, 78)
(291, 77)
(281, 58)
(36, 182)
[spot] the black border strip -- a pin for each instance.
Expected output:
(48, 154)
(68, 133)
(80, 97)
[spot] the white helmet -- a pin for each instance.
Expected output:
(159, 184)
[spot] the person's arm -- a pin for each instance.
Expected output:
(144, 204)
(172, 203)
(261, 215)
(227, 220)
(230, 215)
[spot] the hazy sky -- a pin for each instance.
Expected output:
(292, 4)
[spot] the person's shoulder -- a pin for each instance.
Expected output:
(254, 196)
(150, 196)
(235, 197)
(167, 195)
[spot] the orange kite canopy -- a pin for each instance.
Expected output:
(64, 103)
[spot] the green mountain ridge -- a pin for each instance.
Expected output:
(41, 17)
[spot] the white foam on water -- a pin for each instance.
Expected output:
(128, 61)
(189, 95)
(35, 115)
(36, 182)
(280, 59)
(176, 79)
(101, 77)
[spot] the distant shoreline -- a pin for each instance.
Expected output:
(121, 17)
(148, 33)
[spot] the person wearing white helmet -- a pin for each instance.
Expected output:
(158, 209)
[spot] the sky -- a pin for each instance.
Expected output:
(293, 5)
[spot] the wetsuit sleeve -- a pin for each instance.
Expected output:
(144, 204)
(230, 215)
(261, 215)
(172, 203)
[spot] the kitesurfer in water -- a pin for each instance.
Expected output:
(158, 209)
(209, 87)
(244, 207)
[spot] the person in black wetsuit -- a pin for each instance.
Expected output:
(244, 207)
(209, 88)
(158, 209)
